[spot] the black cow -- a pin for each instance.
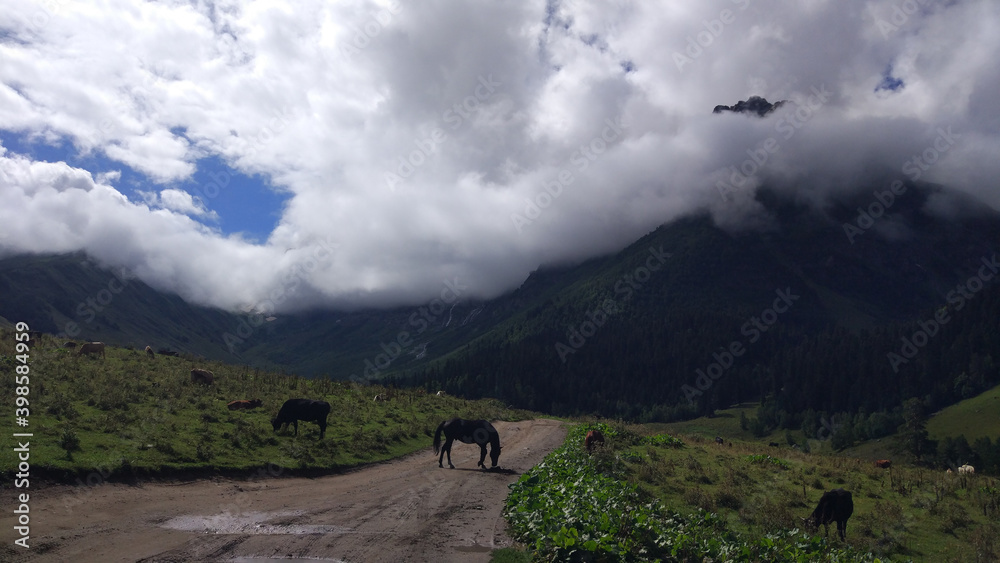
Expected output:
(308, 410)
(718, 440)
(835, 506)
(773, 444)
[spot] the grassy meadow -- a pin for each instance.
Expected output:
(974, 418)
(682, 496)
(128, 414)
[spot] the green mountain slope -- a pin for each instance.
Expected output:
(70, 296)
(712, 325)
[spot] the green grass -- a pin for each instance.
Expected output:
(725, 423)
(905, 513)
(579, 507)
(128, 414)
(975, 418)
(695, 499)
(510, 555)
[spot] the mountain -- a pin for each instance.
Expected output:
(806, 313)
(73, 297)
(753, 105)
(688, 318)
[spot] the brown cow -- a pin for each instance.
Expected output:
(91, 348)
(149, 352)
(883, 464)
(593, 437)
(245, 405)
(202, 376)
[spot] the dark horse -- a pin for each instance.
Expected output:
(469, 432)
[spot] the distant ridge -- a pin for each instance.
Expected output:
(754, 105)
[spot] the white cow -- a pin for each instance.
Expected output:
(967, 469)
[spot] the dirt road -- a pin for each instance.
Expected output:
(404, 510)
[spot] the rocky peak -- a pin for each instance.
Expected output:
(755, 105)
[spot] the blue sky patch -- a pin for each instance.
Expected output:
(889, 82)
(244, 204)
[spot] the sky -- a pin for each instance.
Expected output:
(372, 154)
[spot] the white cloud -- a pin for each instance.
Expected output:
(182, 202)
(326, 98)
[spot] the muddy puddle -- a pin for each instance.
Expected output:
(284, 560)
(250, 523)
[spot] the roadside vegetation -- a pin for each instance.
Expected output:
(128, 414)
(687, 498)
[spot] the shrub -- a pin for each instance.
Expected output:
(953, 516)
(70, 442)
(729, 496)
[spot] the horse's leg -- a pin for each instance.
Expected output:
(296, 423)
(447, 446)
(482, 455)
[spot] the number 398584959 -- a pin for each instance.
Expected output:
(22, 369)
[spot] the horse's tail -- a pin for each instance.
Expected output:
(437, 438)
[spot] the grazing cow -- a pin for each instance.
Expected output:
(91, 348)
(718, 440)
(202, 376)
(883, 464)
(593, 437)
(149, 352)
(245, 405)
(966, 469)
(69, 344)
(379, 399)
(835, 506)
(307, 410)
(440, 393)
(773, 444)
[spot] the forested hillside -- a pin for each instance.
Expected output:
(798, 317)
